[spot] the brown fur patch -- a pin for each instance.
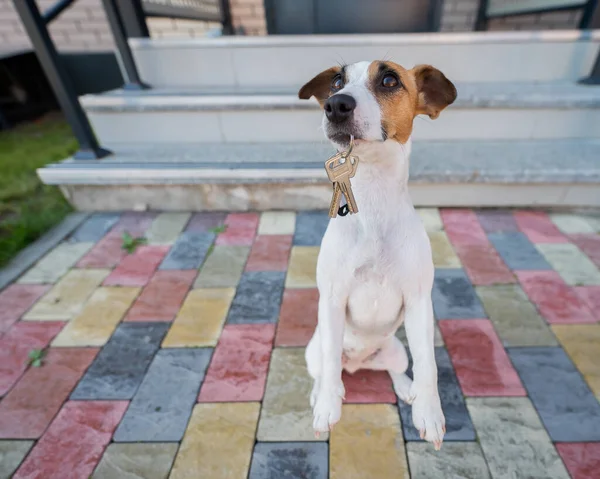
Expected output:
(436, 92)
(319, 86)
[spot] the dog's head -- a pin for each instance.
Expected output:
(376, 101)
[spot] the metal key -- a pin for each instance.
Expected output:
(340, 169)
(346, 188)
(335, 200)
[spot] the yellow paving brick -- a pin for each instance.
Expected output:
(442, 250)
(303, 267)
(200, 318)
(431, 219)
(277, 223)
(582, 343)
(98, 319)
(368, 442)
(68, 296)
(166, 228)
(56, 263)
(218, 442)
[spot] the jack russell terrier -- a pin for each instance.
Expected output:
(375, 269)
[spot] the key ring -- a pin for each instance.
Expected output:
(347, 153)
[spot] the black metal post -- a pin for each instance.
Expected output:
(481, 22)
(34, 24)
(124, 55)
(56, 10)
(226, 17)
(594, 78)
(134, 18)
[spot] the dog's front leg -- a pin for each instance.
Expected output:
(427, 413)
(327, 408)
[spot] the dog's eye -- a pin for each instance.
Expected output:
(337, 83)
(389, 81)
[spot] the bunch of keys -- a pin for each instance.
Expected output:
(340, 168)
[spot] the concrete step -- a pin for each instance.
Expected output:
(483, 111)
(287, 61)
(291, 176)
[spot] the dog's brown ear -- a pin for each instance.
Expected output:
(319, 86)
(435, 91)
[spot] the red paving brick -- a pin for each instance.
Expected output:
(590, 295)
(31, 404)
(136, 269)
(589, 244)
(480, 361)
(238, 369)
(494, 221)
(364, 387)
(270, 253)
(298, 317)
(581, 458)
(16, 300)
(463, 228)
(73, 444)
(162, 297)
(241, 229)
(107, 253)
(483, 265)
(556, 301)
(538, 227)
(16, 344)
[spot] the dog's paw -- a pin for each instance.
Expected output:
(428, 417)
(315, 392)
(403, 387)
(327, 408)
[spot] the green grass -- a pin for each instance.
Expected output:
(29, 208)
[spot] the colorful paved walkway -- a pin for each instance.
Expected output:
(185, 358)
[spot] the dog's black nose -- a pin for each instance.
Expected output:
(339, 107)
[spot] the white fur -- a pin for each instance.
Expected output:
(374, 273)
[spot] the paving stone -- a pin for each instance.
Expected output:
(56, 263)
(223, 267)
(119, 368)
(241, 230)
(454, 297)
(201, 318)
(286, 414)
(136, 223)
(94, 325)
(538, 227)
(590, 295)
(277, 223)
(75, 441)
(135, 461)
(218, 442)
(107, 253)
(458, 423)
(162, 297)
(238, 369)
(166, 228)
(496, 221)
(298, 317)
(137, 268)
(28, 408)
(479, 359)
(161, 408)
(554, 299)
(517, 251)
(483, 265)
(574, 224)
(306, 460)
(463, 227)
(66, 299)
(367, 438)
(515, 319)
(94, 228)
(563, 400)
(310, 228)
(513, 439)
(15, 300)
(16, 344)
(302, 272)
(582, 344)
(431, 219)
(12, 454)
(368, 387)
(582, 459)
(206, 222)
(257, 298)
(189, 251)
(574, 266)
(454, 460)
(590, 245)
(437, 336)
(442, 251)
(270, 253)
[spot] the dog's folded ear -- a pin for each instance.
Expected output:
(319, 86)
(436, 92)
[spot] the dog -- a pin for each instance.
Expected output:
(375, 270)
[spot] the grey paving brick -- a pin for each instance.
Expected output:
(258, 298)
(455, 460)
(206, 221)
(95, 227)
(454, 297)
(119, 368)
(12, 454)
(565, 403)
(189, 251)
(517, 251)
(136, 461)
(494, 221)
(310, 228)
(161, 408)
(458, 422)
(306, 460)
